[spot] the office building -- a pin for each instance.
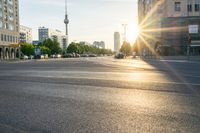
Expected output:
(45, 33)
(167, 26)
(99, 44)
(35, 42)
(25, 34)
(9, 29)
(117, 44)
(85, 43)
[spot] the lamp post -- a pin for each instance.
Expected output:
(188, 46)
(125, 26)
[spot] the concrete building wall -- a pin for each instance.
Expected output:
(9, 28)
(170, 21)
(99, 44)
(45, 33)
(25, 34)
(117, 43)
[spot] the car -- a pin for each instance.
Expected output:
(25, 57)
(68, 55)
(120, 56)
(31, 57)
(53, 56)
(92, 55)
(58, 56)
(84, 55)
(46, 56)
(41, 56)
(77, 55)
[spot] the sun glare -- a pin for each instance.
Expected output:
(133, 32)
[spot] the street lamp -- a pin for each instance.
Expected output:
(125, 26)
(188, 46)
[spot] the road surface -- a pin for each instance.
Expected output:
(99, 95)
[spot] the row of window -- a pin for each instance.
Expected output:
(8, 38)
(196, 7)
(189, 7)
(8, 26)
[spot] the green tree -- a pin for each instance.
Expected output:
(74, 48)
(27, 49)
(126, 49)
(81, 48)
(53, 45)
(55, 49)
(86, 48)
(45, 50)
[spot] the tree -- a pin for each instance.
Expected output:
(136, 47)
(74, 48)
(55, 49)
(45, 50)
(86, 48)
(53, 46)
(126, 49)
(81, 49)
(27, 49)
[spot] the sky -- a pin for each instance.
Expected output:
(90, 20)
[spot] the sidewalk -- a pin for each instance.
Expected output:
(175, 58)
(13, 61)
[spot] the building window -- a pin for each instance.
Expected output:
(16, 40)
(5, 38)
(190, 8)
(8, 38)
(196, 7)
(1, 24)
(11, 39)
(1, 37)
(178, 6)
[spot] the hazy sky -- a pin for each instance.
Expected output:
(90, 20)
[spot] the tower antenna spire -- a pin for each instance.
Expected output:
(66, 21)
(65, 7)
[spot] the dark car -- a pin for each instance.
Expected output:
(69, 55)
(92, 55)
(84, 55)
(119, 56)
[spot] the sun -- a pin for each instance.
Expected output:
(133, 31)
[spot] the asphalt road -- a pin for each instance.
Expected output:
(99, 95)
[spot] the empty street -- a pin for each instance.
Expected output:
(99, 95)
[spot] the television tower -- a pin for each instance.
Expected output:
(66, 21)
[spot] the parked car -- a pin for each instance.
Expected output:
(58, 56)
(46, 56)
(53, 56)
(77, 55)
(68, 55)
(119, 56)
(84, 55)
(31, 57)
(92, 55)
(25, 57)
(41, 56)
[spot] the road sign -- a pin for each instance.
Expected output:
(37, 51)
(193, 29)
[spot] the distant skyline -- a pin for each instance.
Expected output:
(90, 20)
